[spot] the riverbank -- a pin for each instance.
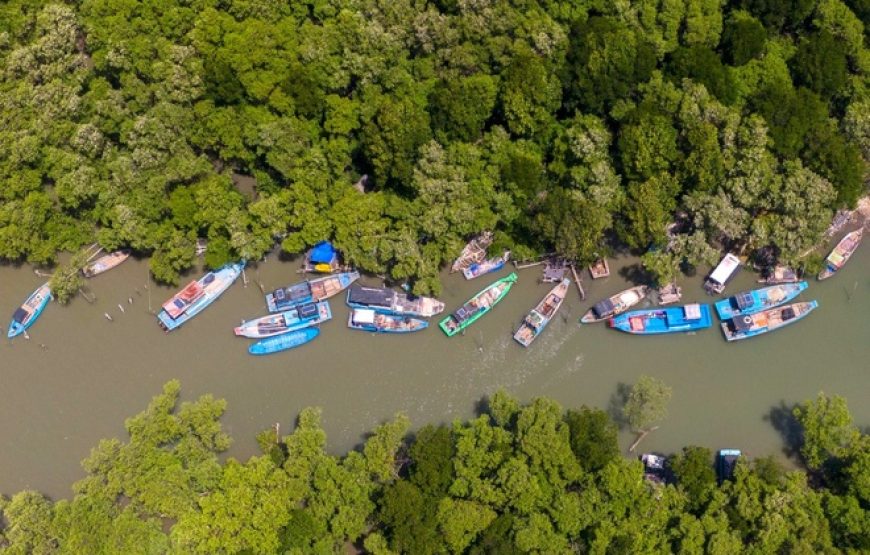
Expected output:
(76, 380)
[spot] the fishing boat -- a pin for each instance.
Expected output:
(477, 306)
(749, 302)
(676, 319)
(313, 290)
(538, 318)
(389, 300)
(780, 274)
(367, 319)
(615, 305)
(27, 313)
(284, 341)
(491, 265)
(722, 274)
(105, 263)
(197, 295)
(473, 253)
(750, 325)
(298, 317)
(841, 253)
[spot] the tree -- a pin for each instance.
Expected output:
(828, 431)
(820, 64)
(693, 469)
(647, 403)
(742, 38)
(593, 437)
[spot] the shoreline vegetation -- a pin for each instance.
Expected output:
(517, 478)
(682, 130)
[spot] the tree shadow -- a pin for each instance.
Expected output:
(617, 401)
(783, 421)
(636, 274)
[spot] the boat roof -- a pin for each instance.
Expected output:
(306, 310)
(742, 323)
(603, 308)
(726, 268)
(744, 300)
(323, 253)
(380, 296)
(364, 316)
(692, 311)
(729, 452)
(20, 315)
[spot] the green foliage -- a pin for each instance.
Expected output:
(742, 38)
(647, 403)
(693, 470)
(593, 437)
(828, 431)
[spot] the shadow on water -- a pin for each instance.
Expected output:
(783, 421)
(636, 274)
(617, 401)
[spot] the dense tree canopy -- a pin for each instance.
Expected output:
(563, 126)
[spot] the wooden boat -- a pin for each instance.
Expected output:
(197, 295)
(473, 253)
(722, 274)
(298, 317)
(29, 311)
(780, 274)
(676, 319)
(366, 319)
(615, 305)
(841, 253)
(477, 306)
(309, 291)
(750, 325)
(538, 318)
(388, 300)
(599, 269)
(749, 302)
(492, 265)
(284, 341)
(105, 263)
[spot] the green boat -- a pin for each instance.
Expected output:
(479, 305)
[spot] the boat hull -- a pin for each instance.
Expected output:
(386, 322)
(32, 309)
(318, 289)
(841, 254)
(283, 342)
(454, 324)
(772, 318)
(486, 267)
(105, 263)
(663, 320)
(620, 302)
(223, 278)
(284, 322)
(387, 300)
(761, 299)
(538, 318)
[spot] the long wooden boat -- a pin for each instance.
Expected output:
(298, 317)
(284, 341)
(473, 253)
(615, 305)
(29, 311)
(841, 253)
(197, 295)
(750, 325)
(750, 302)
(367, 319)
(389, 300)
(676, 319)
(314, 290)
(538, 318)
(477, 306)
(105, 263)
(780, 274)
(487, 266)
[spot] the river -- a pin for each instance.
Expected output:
(80, 375)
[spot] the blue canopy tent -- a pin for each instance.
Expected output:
(323, 253)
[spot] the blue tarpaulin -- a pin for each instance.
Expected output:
(323, 253)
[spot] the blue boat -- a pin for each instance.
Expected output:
(283, 342)
(750, 302)
(750, 325)
(314, 290)
(197, 295)
(28, 312)
(380, 321)
(298, 317)
(487, 266)
(675, 319)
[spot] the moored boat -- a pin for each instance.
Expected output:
(487, 266)
(477, 306)
(538, 318)
(750, 325)
(675, 319)
(722, 274)
(386, 299)
(197, 295)
(749, 302)
(615, 305)
(367, 319)
(780, 274)
(298, 317)
(29, 311)
(473, 253)
(105, 263)
(841, 253)
(307, 291)
(284, 341)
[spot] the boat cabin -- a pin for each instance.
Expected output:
(177, 305)
(722, 274)
(292, 295)
(306, 311)
(21, 315)
(692, 311)
(654, 467)
(363, 316)
(371, 296)
(742, 301)
(604, 309)
(726, 461)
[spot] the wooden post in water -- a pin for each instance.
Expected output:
(148, 287)
(640, 437)
(577, 281)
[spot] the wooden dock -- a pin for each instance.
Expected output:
(577, 281)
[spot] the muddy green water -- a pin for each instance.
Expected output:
(80, 376)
